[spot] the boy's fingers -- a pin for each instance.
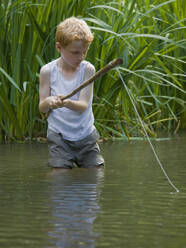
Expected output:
(51, 106)
(56, 103)
(60, 97)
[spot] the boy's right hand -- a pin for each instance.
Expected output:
(55, 102)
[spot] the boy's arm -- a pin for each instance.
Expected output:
(85, 94)
(46, 102)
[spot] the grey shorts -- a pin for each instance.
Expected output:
(66, 154)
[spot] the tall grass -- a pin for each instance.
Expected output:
(148, 35)
(151, 40)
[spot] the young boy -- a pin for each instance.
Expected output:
(71, 134)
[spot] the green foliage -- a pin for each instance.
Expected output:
(148, 35)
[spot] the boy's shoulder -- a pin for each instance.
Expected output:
(90, 67)
(45, 69)
(89, 70)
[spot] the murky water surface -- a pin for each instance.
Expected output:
(129, 204)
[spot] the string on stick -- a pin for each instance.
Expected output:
(146, 134)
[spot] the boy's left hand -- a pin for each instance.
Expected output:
(57, 102)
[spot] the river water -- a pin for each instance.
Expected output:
(128, 204)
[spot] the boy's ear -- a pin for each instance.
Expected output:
(58, 47)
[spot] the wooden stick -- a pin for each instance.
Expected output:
(102, 71)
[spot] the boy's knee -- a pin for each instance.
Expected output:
(59, 163)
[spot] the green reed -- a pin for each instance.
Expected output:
(148, 35)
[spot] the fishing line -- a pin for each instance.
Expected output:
(146, 134)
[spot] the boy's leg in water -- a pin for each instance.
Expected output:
(60, 155)
(88, 155)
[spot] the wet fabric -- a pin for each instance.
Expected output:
(84, 153)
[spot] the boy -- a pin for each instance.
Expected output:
(71, 133)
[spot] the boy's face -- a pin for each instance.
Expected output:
(74, 53)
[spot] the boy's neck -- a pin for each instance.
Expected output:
(66, 67)
(67, 70)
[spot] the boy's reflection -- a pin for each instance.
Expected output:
(75, 195)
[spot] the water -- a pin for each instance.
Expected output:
(129, 204)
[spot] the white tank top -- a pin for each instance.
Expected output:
(71, 124)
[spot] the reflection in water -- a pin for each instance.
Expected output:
(40, 209)
(74, 203)
(131, 205)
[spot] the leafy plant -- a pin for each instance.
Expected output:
(148, 35)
